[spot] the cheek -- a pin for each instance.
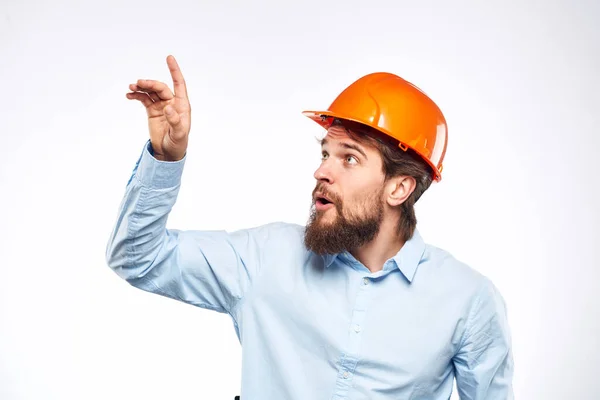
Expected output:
(361, 189)
(365, 197)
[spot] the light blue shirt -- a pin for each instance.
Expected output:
(319, 327)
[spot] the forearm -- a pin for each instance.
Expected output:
(140, 234)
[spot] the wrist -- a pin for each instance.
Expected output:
(163, 157)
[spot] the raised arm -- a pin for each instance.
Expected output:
(210, 269)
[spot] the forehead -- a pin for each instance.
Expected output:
(337, 136)
(338, 133)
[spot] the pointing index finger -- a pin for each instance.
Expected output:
(178, 81)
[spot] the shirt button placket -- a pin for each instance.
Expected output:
(352, 353)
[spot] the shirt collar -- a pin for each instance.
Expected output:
(407, 259)
(328, 259)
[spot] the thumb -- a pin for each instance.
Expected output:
(173, 118)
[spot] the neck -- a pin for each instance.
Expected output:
(384, 246)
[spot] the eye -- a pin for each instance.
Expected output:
(351, 160)
(324, 155)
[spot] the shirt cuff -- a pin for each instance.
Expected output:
(157, 174)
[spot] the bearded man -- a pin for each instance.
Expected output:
(354, 305)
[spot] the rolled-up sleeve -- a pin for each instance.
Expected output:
(484, 363)
(209, 269)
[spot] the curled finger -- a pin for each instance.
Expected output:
(161, 89)
(142, 97)
(154, 97)
(135, 88)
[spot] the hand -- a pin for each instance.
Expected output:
(169, 115)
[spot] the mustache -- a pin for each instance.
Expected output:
(326, 192)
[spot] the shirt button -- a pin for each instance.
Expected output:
(345, 374)
(365, 281)
(357, 328)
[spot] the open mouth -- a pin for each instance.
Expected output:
(322, 201)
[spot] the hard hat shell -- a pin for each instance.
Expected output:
(397, 108)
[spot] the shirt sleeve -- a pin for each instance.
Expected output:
(484, 363)
(209, 269)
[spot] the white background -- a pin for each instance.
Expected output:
(518, 82)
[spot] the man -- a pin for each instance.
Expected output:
(353, 306)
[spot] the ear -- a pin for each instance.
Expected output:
(398, 189)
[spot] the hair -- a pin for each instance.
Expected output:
(396, 162)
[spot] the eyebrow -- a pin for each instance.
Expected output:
(347, 146)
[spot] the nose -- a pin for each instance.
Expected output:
(324, 173)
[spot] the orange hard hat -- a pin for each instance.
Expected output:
(397, 108)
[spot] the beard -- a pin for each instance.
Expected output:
(345, 232)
